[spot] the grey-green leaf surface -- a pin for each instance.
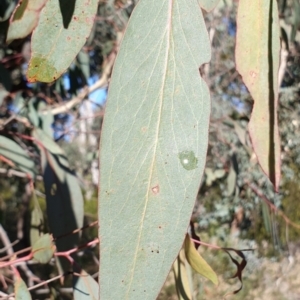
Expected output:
(17, 155)
(43, 249)
(153, 146)
(21, 291)
(63, 28)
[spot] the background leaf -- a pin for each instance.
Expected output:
(43, 249)
(85, 287)
(21, 291)
(66, 26)
(24, 19)
(197, 262)
(153, 147)
(63, 194)
(257, 60)
(182, 283)
(12, 151)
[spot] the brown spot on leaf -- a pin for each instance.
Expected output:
(155, 189)
(253, 74)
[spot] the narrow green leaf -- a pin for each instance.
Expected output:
(43, 249)
(208, 5)
(25, 18)
(257, 60)
(183, 289)
(85, 287)
(153, 146)
(20, 289)
(67, 25)
(12, 151)
(197, 262)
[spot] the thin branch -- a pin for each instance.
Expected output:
(102, 82)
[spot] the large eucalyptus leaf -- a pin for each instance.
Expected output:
(257, 60)
(153, 146)
(17, 155)
(63, 29)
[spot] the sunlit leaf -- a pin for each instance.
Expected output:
(153, 146)
(85, 287)
(43, 249)
(20, 158)
(24, 19)
(257, 60)
(197, 262)
(66, 26)
(20, 289)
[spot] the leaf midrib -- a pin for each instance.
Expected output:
(169, 31)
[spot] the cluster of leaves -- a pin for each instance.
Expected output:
(153, 145)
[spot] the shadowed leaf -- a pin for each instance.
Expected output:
(239, 265)
(153, 146)
(51, 56)
(24, 19)
(183, 288)
(197, 262)
(257, 60)
(63, 194)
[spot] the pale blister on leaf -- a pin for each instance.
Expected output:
(182, 283)
(43, 249)
(17, 155)
(20, 289)
(66, 26)
(208, 5)
(24, 19)
(197, 262)
(257, 60)
(85, 287)
(153, 146)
